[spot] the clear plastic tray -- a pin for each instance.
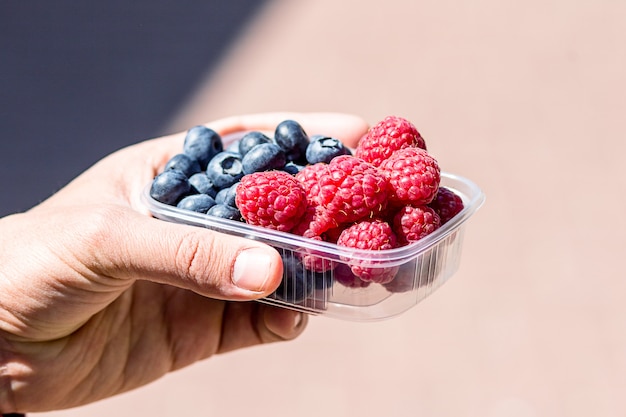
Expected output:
(423, 266)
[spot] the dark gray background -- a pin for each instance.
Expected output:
(79, 80)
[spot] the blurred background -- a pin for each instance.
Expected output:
(525, 98)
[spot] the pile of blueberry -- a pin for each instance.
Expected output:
(203, 178)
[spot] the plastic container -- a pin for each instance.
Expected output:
(422, 266)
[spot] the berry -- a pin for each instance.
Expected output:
(297, 284)
(413, 175)
(387, 136)
(292, 168)
(202, 184)
(202, 144)
(227, 195)
(200, 203)
(263, 157)
(292, 139)
(447, 204)
(169, 187)
(183, 163)
(272, 199)
(250, 140)
(225, 169)
(324, 149)
(373, 234)
(348, 189)
(225, 212)
(343, 274)
(413, 223)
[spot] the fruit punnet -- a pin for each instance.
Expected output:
(385, 194)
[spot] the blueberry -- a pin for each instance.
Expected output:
(202, 184)
(292, 138)
(202, 144)
(184, 163)
(170, 186)
(297, 283)
(292, 168)
(263, 157)
(227, 196)
(324, 149)
(250, 140)
(233, 148)
(224, 170)
(200, 203)
(225, 212)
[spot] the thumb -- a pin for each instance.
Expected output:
(207, 262)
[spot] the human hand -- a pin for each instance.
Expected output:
(98, 298)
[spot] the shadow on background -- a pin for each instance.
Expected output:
(80, 80)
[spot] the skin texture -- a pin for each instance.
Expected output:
(98, 298)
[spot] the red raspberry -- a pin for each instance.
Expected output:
(373, 234)
(272, 199)
(413, 223)
(349, 189)
(387, 136)
(308, 177)
(447, 204)
(343, 274)
(413, 175)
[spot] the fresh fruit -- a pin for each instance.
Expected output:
(227, 195)
(263, 157)
(202, 144)
(413, 175)
(292, 139)
(225, 212)
(447, 204)
(348, 189)
(387, 136)
(202, 184)
(250, 140)
(169, 187)
(324, 149)
(272, 199)
(225, 169)
(200, 203)
(414, 223)
(183, 163)
(375, 235)
(297, 283)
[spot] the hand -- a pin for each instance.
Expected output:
(97, 297)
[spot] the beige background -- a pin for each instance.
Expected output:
(525, 98)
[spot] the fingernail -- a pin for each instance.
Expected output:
(251, 269)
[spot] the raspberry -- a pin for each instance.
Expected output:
(343, 274)
(447, 204)
(309, 177)
(373, 234)
(413, 175)
(272, 199)
(413, 223)
(349, 189)
(387, 136)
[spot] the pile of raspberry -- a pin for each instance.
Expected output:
(384, 195)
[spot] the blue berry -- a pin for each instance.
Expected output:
(227, 196)
(184, 163)
(169, 187)
(324, 149)
(224, 170)
(292, 168)
(292, 139)
(233, 148)
(200, 203)
(250, 140)
(225, 212)
(202, 184)
(263, 157)
(297, 283)
(202, 144)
